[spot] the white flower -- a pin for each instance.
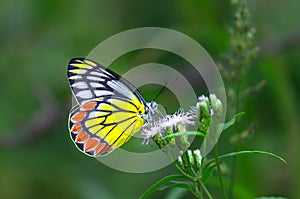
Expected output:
(180, 160)
(198, 156)
(216, 105)
(193, 110)
(150, 132)
(212, 112)
(194, 158)
(179, 117)
(169, 121)
(213, 97)
(202, 98)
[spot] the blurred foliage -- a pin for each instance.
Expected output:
(38, 38)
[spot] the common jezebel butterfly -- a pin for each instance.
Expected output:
(110, 109)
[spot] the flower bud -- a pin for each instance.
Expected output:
(198, 157)
(216, 105)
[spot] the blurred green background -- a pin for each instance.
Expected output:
(37, 39)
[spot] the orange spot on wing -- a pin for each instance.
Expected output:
(82, 137)
(78, 117)
(91, 144)
(105, 150)
(110, 150)
(100, 98)
(89, 106)
(76, 128)
(99, 148)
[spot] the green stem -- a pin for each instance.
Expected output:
(205, 189)
(197, 190)
(182, 172)
(178, 167)
(232, 178)
(189, 164)
(219, 172)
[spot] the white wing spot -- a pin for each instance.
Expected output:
(76, 77)
(94, 114)
(93, 78)
(85, 94)
(80, 85)
(99, 93)
(121, 88)
(106, 72)
(96, 85)
(99, 74)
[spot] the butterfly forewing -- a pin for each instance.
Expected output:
(90, 80)
(109, 108)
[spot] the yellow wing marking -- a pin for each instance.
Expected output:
(116, 135)
(117, 117)
(125, 105)
(90, 63)
(96, 128)
(78, 71)
(86, 66)
(94, 122)
(119, 124)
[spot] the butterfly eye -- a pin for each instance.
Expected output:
(153, 105)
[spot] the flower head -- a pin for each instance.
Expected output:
(149, 133)
(179, 117)
(164, 130)
(168, 122)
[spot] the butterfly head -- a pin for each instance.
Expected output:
(151, 110)
(152, 106)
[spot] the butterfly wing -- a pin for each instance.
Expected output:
(109, 108)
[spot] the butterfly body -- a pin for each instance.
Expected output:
(110, 109)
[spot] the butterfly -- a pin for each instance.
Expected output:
(110, 109)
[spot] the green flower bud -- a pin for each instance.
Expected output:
(191, 157)
(203, 106)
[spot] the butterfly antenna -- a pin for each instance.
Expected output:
(161, 90)
(164, 87)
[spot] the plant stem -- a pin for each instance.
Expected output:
(182, 172)
(232, 177)
(178, 167)
(197, 190)
(219, 172)
(205, 189)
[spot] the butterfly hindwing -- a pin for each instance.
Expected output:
(109, 108)
(85, 141)
(99, 126)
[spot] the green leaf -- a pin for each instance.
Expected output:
(158, 184)
(252, 152)
(196, 133)
(176, 193)
(183, 185)
(271, 197)
(232, 121)
(248, 152)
